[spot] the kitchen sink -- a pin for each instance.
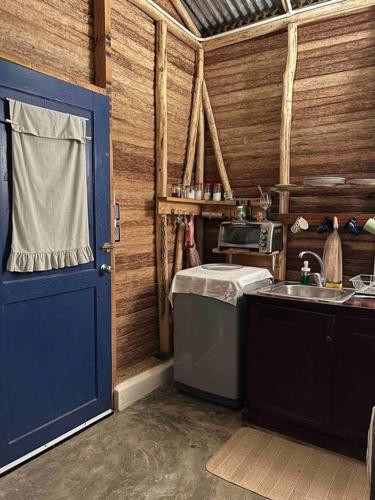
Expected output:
(307, 292)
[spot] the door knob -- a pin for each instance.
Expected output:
(329, 339)
(105, 269)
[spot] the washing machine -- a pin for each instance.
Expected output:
(210, 327)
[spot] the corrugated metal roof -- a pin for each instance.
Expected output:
(216, 16)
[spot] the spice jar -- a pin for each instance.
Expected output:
(207, 195)
(176, 190)
(217, 191)
(198, 191)
(190, 192)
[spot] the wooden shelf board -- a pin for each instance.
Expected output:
(340, 188)
(317, 218)
(171, 199)
(240, 251)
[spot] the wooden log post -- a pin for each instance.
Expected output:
(200, 147)
(161, 187)
(183, 13)
(285, 132)
(194, 118)
(199, 175)
(191, 149)
(215, 139)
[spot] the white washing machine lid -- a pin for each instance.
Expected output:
(219, 281)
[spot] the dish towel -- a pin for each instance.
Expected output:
(50, 215)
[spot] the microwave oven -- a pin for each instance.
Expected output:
(263, 237)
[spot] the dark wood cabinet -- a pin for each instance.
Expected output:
(311, 369)
(354, 384)
(290, 364)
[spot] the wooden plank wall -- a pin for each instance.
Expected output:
(49, 36)
(133, 131)
(244, 82)
(333, 129)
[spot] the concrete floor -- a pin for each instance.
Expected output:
(156, 449)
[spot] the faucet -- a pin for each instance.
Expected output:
(319, 278)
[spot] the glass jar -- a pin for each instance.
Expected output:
(198, 191)
(190, 192)
(240, 212)
(176, 190)
(216, 196)
(207, 195)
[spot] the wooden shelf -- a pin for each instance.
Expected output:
(240, 251)
(340, 188)
(269, 261)
(315, 219)
(171, 199)
(184, 206)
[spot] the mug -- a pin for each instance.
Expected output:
(325, 226)
(301, 224)
(370, 225)
(351, 226)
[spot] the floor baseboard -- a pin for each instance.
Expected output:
(134, 388)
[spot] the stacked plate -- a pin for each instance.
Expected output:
(362, 182)
(324, 181)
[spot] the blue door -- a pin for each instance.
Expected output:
(55, 342)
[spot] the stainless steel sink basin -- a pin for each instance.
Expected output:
(307, 292)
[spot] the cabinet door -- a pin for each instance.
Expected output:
(354, 389)
(290, 365)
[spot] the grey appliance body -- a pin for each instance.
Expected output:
(209, 344)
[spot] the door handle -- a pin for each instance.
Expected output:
(105, 269)
(329, 339)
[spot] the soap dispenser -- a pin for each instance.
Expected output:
(305, 273)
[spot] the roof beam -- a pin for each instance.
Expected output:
(185, 16)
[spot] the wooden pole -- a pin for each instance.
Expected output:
(199, 175)
(215, 139)
(194, 120)
(287, 105)
(161, 109)
(285, 133)
(161, 187)
(185, 16)
(200, 148)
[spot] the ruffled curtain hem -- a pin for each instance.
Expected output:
(28, 262)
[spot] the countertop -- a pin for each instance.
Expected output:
(353, 304)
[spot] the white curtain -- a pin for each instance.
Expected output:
(50, 215)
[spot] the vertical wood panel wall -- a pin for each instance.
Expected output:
(133, 131)
(333, 129)
(244, 82)
(49, 36)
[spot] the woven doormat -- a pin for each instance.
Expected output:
(280, 469)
